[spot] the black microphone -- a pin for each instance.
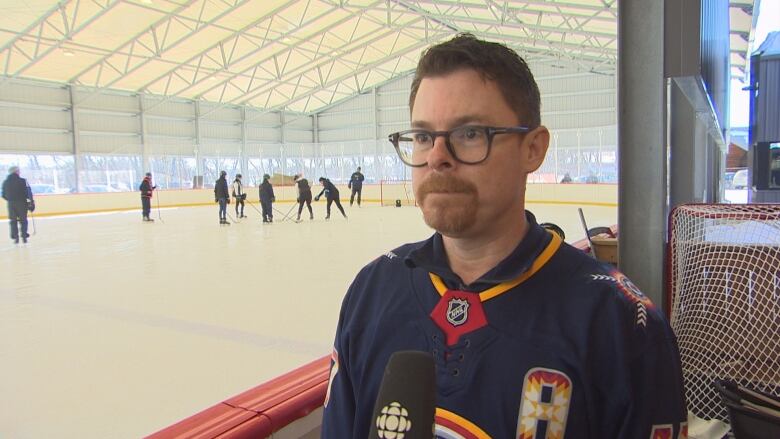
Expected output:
(406, 403)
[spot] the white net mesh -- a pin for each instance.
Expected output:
(397, 191)
(725, 293)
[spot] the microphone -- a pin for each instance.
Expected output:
(405, 406)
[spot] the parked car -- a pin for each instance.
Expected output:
(120, 187)
(587, 179)
(180, 185)
(42, 188)
(728, 179)
(740, 180)
(98, 188)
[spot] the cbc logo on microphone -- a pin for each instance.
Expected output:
(393, 422)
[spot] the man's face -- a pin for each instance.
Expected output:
(460, 200)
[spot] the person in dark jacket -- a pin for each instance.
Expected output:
(304, 196)
(146, 189)
(20, 200)
(331, 194)
(356, 184)
(267, 198)
(239, 195)
(222, 196)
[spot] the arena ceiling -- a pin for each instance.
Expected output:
(296, 55)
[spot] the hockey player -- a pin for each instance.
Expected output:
(146, 188)
(239, 195)
(222, 196)
(531, 337)
(17, 193)
(356, 184)
(267, 199)
(331, 194)
(304, 196)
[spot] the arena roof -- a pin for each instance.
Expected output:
(295, 55)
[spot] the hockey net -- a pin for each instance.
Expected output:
(392, 192)
(725, 294)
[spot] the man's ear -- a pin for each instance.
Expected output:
(534, 148)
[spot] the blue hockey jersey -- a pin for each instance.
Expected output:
(548, 344)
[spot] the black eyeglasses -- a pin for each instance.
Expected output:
(468, 144)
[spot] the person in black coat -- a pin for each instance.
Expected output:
(331, 194)
(146, 189)
(304, 196)
(222, 196)
(356, 184)
(267, 198)
(20, 200)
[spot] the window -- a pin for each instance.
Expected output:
(172, 172)
(44, 173)
(110, 173)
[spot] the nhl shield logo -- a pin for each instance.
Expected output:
(457, 311)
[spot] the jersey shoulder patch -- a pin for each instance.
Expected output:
(628, 292)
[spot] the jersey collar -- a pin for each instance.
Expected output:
(430, 256)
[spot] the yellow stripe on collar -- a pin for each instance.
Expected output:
(503, 287)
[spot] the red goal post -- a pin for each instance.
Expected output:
(724, 291)
(392, 192)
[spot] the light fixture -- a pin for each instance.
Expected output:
(68, 52)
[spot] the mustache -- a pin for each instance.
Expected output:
(444, 184)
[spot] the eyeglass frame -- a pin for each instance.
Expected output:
(490, 131)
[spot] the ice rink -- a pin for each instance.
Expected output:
(113, 328)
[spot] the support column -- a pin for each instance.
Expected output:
(642, 193)
(281, 142)
(198, 157)
(76, 140)
(144, 147)
(315, 128)
(243, 166)
(377, 139)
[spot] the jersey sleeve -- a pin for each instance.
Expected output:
(658, 408)
(639, 384)
(339, 408)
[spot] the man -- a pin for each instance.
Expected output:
(304, 196)
(331, 194)
(19, 197)
(146, 189)
(239, 195)
(222, 196)
(356, 184)
(531, 337)
(267, 198)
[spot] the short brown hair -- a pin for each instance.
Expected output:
(493, 61)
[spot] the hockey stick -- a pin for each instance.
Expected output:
(253, 207)
(587, 235)
(287, 215)
(159, 217)
(32, 218)
(231, 217)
